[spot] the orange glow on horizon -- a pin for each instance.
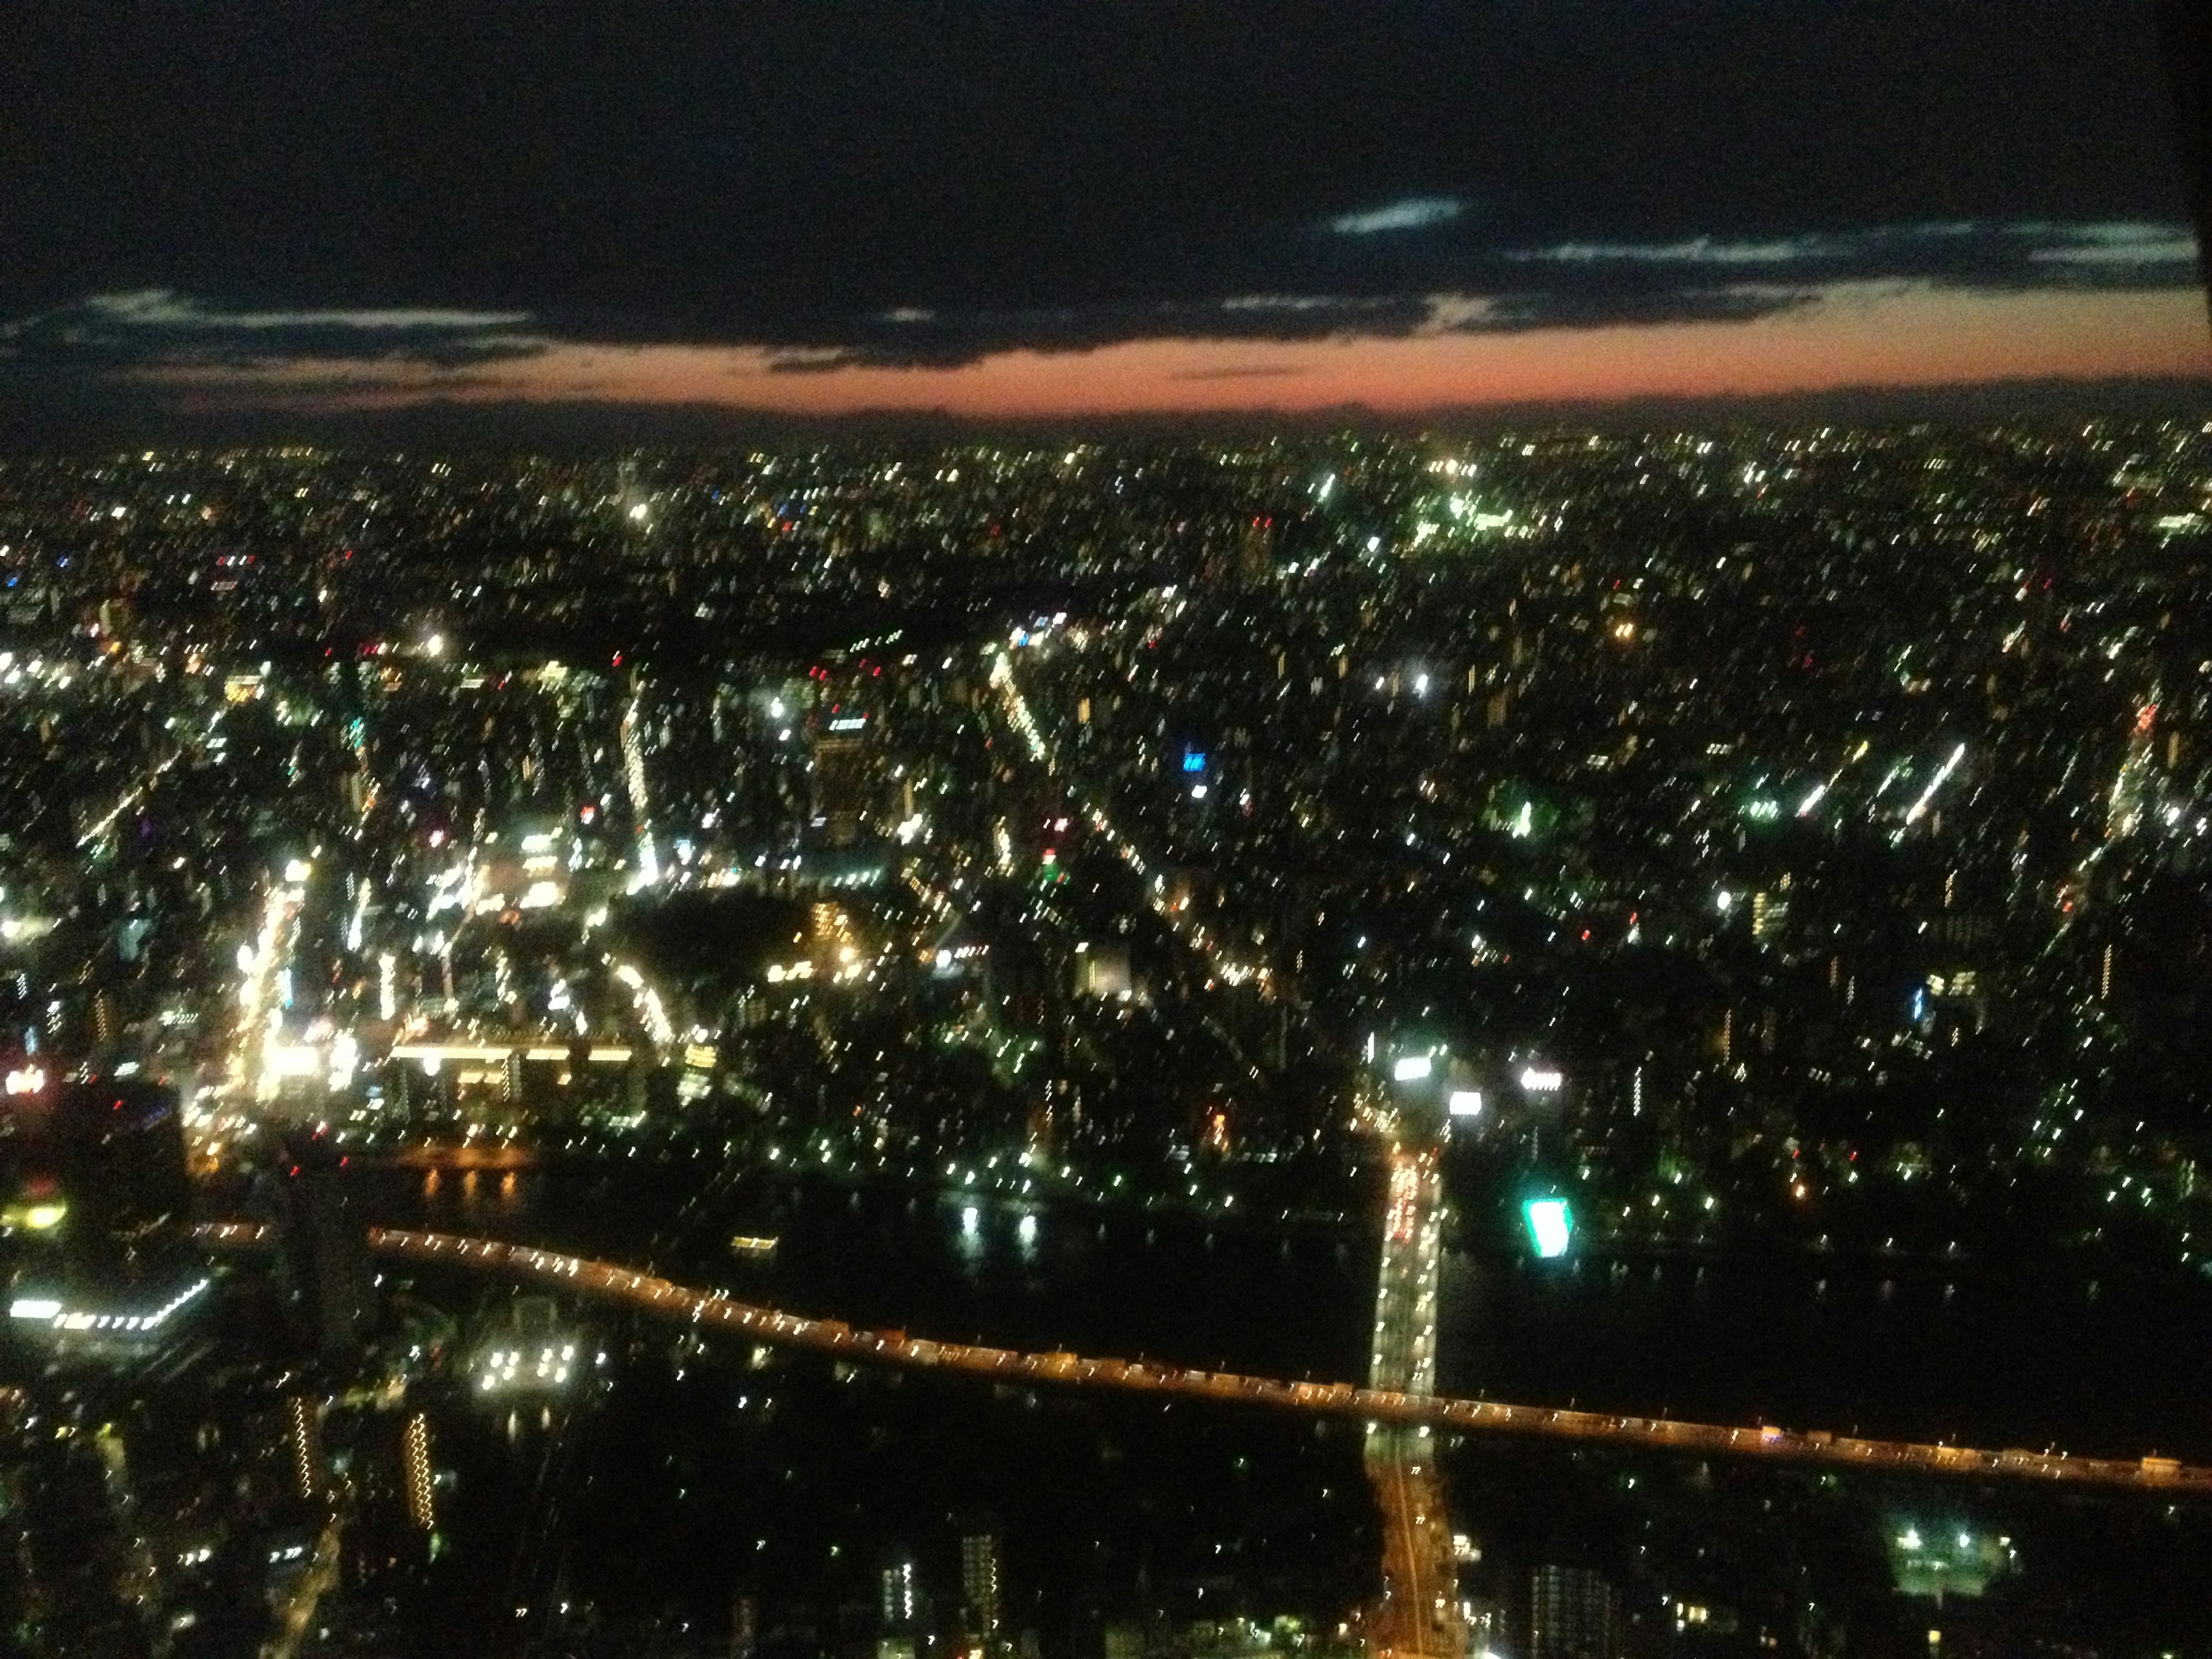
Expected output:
(1866, 334)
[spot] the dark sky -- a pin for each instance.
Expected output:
(207, 186)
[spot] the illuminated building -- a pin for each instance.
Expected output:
(841, 778)
(898, 1602)
(1573, 1614)
(1952, 1559)
(303, 1444)
(113, 1150)
(416, 1475)
(980, 1590)
(100, 1202)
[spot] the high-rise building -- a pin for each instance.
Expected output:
(414, 1473)
(898, 1599)
(978, 1582)
(303, 1440)
(93, 1178)
(1573, 1614)
(842, 782)
(115, 1151)
(325, 1249)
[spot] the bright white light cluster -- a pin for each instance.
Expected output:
(509, 1368)
(46, 1310)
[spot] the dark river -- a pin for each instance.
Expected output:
(2003, 1354)
(703, 1495)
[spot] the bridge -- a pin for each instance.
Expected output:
(1394, 1407)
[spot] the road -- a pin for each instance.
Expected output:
(674, 1302)
(1419, 1611)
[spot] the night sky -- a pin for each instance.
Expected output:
(1020, 206)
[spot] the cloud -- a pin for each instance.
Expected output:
(162, 307)
(1522, 312)
(2130, 245)
(1697, 250)
(1409, 213)
(2024, 253)
(1362, 289)
(153, 328)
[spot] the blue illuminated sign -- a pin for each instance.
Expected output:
(1194, 759)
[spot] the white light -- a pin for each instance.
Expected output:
(1466, 1103)
(971, 1219)
(1198, 791)
(1541, 1079)
(1412, 1069)
(1920, 806)
(28, 1081)
(32, 1307)
(297, 871)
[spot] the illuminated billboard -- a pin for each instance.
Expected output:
(1194, 759)
(1551, 1226)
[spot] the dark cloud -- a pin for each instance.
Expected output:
(215, 184)
(1468, 289)
(156, 327)
(768, 171)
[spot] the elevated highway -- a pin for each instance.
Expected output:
(1418, 1617)
(1391, 1406)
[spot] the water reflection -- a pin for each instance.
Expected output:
(968, 1245)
